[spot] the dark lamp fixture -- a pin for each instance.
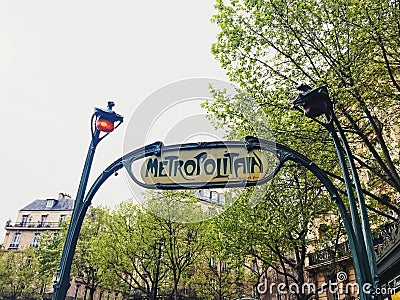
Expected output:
(108, 113)
(107, 119)
(314, 102)
(105, 125)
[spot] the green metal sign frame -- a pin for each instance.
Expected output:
(315, 103)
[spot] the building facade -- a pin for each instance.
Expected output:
(388, 261)
(36, 218)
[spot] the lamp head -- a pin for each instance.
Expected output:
(106, 118)
(314, 102)
(105, 125)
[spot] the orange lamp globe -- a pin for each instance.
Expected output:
(105, 125)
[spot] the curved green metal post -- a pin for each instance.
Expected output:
(62, 281)
(357, 252)
(360, 237)
(366, 229)
(317, 103)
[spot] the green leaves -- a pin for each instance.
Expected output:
(137, 250)
(280, 230)
(19, 274)
(268, 47)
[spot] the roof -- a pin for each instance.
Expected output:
(62, 204)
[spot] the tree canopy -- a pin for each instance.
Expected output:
(352, 47)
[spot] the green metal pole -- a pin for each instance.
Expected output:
(366, 229)
(363, 258)
(108, 116)
(360, 238)
(316, 103)
(62, 282)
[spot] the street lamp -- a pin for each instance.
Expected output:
(316, 103)
(103, 122)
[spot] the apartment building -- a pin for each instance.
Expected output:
(34, 219)
(325, 265)
(211, 201)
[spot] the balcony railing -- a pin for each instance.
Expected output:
(13, 246)
(383, 243)
(212, 197)
(31, 225)
(327, 255)
(387, 239)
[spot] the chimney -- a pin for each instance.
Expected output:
(62, 196)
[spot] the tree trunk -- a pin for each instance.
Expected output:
(175, 289)
(152, 295)
(91, 293)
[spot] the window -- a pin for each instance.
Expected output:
(212, 263)
(210, 211)
(254, 266)
(332, 291)
(221, 200)
(322, 230)
(43, 221)
(213, 283)
(50, 203)
(35, 241)
(62, 218)
(24, 220)
(224, 267)
(216, 197)
(205, 194)
(15, 241)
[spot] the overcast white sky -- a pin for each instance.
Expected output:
(60, 59)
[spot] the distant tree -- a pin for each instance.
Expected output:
(85, 265)
(129, 251)
(219, 273)
(177, 215)
(279, 231)
(19, 274)
(49, 256)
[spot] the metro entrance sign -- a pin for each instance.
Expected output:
(211, 165)
(205, 165)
